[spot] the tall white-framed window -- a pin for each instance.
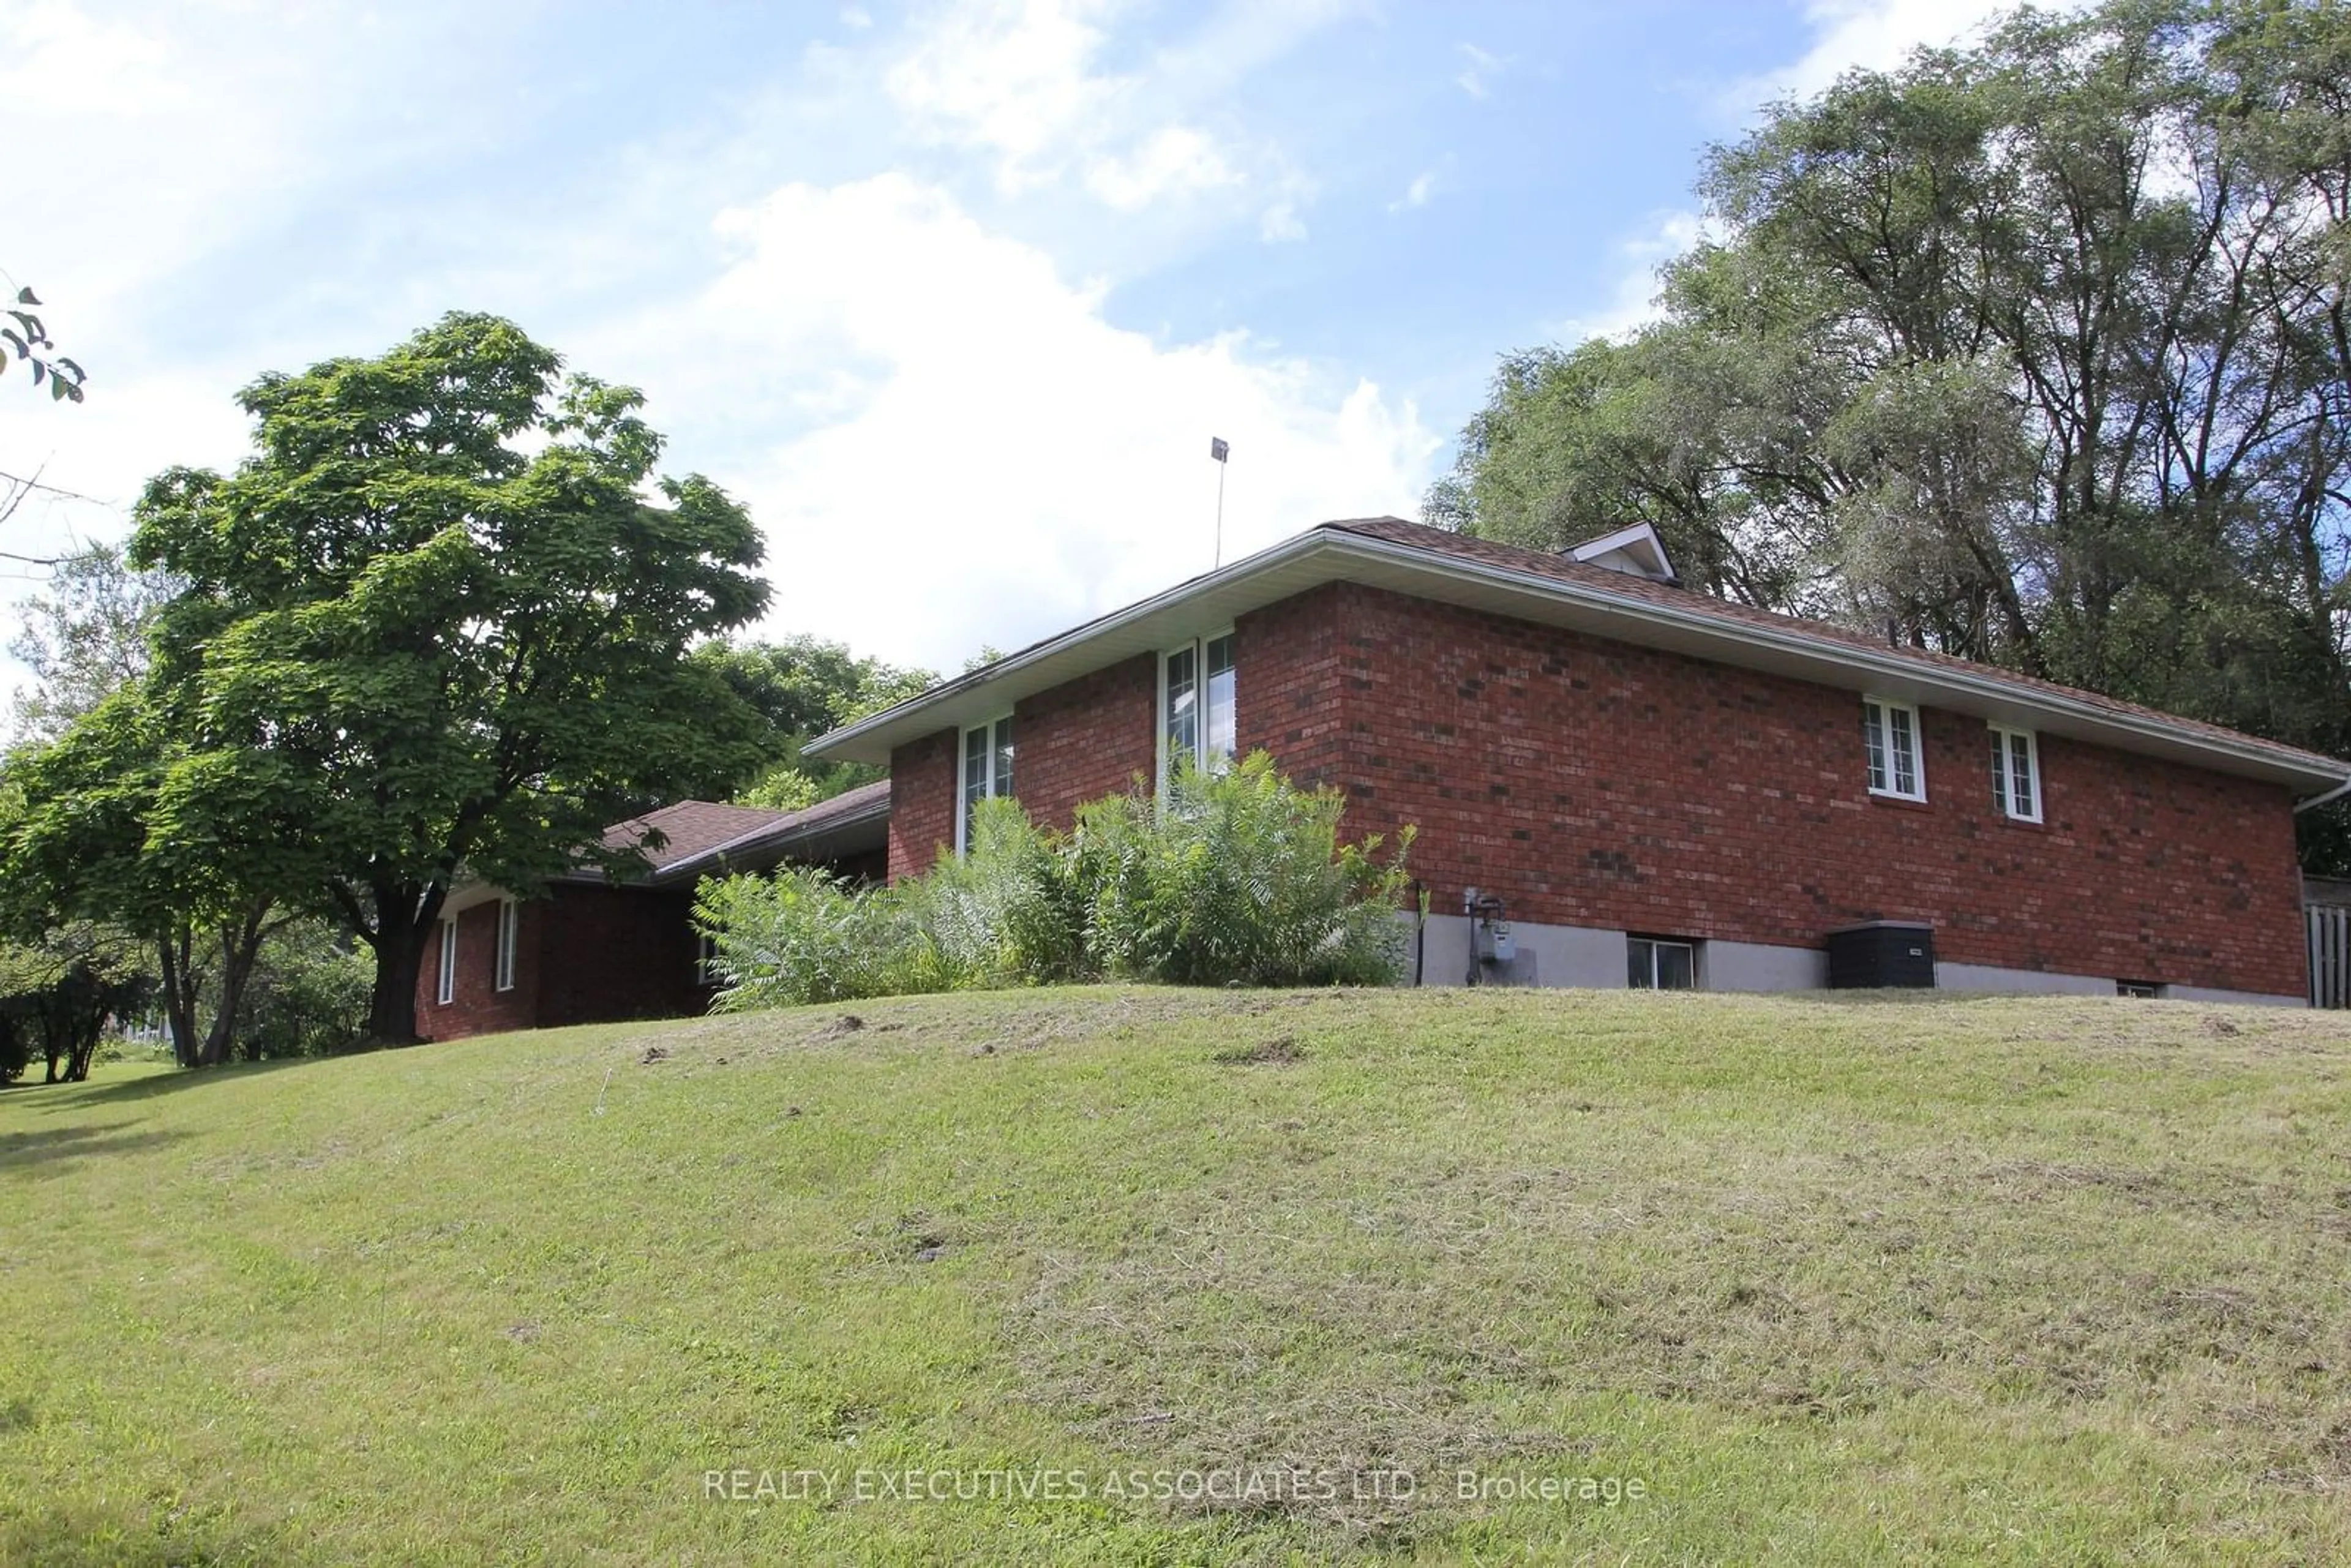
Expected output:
(509, 925)
(1197, 715)
(2015, 774)
(445, 987)
(987, 772)
(1890, 732)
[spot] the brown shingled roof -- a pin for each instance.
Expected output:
(697, 829)
(688, 829)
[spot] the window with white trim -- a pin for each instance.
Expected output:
(1891, 731)
(509, 924)
(2015, 774)
(446, 991)
(987, 772)
(1197, 717)
(705, 962)
(1660, 964)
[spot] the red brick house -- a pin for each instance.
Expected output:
(595, 950)
(1660, 786)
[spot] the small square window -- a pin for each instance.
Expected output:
(1660, 964)
(1890, 733)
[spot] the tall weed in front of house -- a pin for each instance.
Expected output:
(805, 935)
(1242, 878)
(1237, 877)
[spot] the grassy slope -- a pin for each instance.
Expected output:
(2014, 1281)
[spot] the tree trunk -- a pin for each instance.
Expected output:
(176, 951)
(240, 949)
(399, 959)
(85, 1050)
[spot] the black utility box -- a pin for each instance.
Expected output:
(1882, 952)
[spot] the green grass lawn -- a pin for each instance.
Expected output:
(2009, 1280)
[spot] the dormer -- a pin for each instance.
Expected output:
(1636, 551)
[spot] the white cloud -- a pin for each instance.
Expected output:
(1013, 79)
(1416, 194)
(856, 17)
(948, 444)
(1281, 224)
(1482, 67)
(1871, 34)
(1175, 158)
(1632, 304)
(1028, 89)
(1019, 82)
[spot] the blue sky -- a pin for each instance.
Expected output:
(952, 295)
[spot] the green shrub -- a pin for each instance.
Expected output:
(1241, 878)
(1237, 878)
(308, 994)
(1010, 912)
(805, 935)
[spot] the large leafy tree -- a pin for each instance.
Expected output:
(94, 745)
(2035, 352)
(437, 624)
(59, 990)
(89, 839)
(802, 686)
(84, 637)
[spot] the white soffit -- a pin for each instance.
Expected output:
(1325, 555)
(1636, 550)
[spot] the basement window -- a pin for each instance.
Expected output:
(1891, 731)
(1197, 717)
(1660, 964)
(446, 991)
(2015, 775)
(509, 921)
(987, 772)
(2138, 988)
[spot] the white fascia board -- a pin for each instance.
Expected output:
(1198, 605)
(1634, 542)
(1318, 556)
(768, 837)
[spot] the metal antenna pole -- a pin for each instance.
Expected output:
(1219, 450)
(1219, 559)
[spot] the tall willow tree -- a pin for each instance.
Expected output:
(438, 623)
(2035, 351)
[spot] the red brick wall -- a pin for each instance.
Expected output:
(1297, 666)
(583, 955)
(614, 953)
(1594, 783)
(477, 1006)
(922, 802)
(1085, 740)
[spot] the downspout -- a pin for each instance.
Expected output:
(1419, 932)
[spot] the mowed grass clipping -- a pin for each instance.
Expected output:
(2004, 1281)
